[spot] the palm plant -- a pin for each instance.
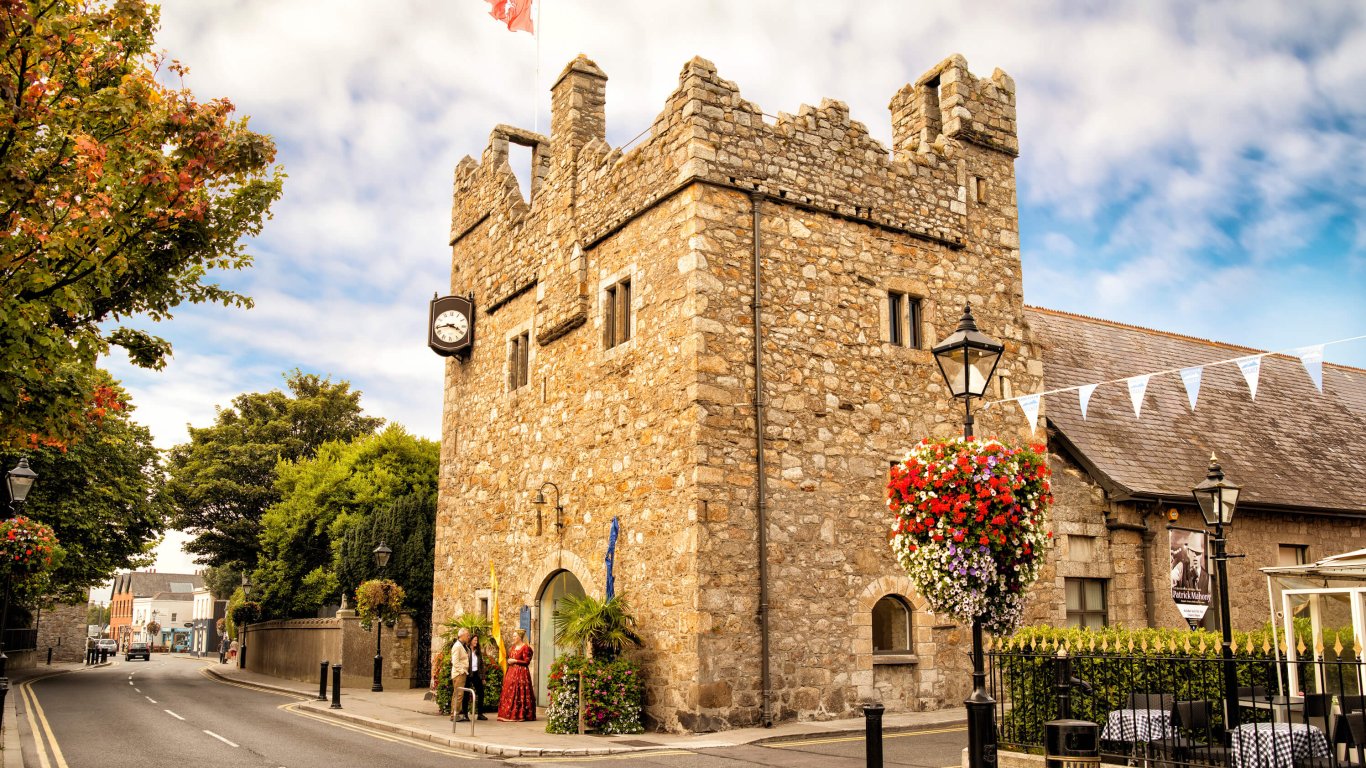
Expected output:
(600, 628)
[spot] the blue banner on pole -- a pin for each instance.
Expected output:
(611, 557)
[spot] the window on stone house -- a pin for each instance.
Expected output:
(1085, 602)
(891, 625)
(616, 314)
(903, 319)
(1292, 554)
(484, 607)
(519, 359)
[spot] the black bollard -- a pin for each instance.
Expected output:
(872, 734)
(49, 655)
(322, 682)
(336, 686)
(1063, 683)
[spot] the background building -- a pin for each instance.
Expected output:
(129, 586)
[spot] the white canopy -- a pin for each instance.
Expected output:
(1331, 594)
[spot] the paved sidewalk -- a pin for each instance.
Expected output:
(405, 712)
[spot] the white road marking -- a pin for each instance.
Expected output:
(149, 698)
(220, 738)
(172, 714)
(139, 690)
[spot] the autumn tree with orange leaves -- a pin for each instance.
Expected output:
(119, 195)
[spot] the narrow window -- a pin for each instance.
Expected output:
(1085, 603)
(891, 626)
(903, 319)
(519, 353)
(1292, 554)
(484, 607)
(616, 314)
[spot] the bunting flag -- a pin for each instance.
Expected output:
(515, 13)
(1084, 397)
(1249, 365)
(1191, 378)
(1138, 386)
(1312, 359)
(497, 628)
(1030, 405)
(1251, 368)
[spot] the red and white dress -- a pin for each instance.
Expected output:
(518, 701)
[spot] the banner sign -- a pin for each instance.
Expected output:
(1189, 573)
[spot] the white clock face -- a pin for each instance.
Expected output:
(451, 326)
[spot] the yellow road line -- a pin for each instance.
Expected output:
(296, 709)
(839, 739)
(36, 710)
(595, 758)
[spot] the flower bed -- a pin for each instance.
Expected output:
(969, 527)
(613, 696)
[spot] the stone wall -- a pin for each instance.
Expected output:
(63, 628)
(659, 432)
(294, 648)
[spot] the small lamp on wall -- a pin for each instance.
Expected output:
(540, 501)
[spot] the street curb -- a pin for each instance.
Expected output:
(262, 686)
(858, 730)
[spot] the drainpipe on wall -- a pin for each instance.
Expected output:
(766, 711)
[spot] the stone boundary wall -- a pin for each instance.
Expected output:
(62, 628)
(293, 648)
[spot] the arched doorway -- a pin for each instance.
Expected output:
(560, 585)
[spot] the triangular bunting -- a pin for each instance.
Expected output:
(1191, 378)
(1138, 385)
(1312, 358)
(1030, 405)
(1251, 368)
(1084, 396)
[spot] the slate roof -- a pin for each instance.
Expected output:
(1292, 447)
(144, 584)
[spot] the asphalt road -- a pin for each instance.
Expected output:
(169, 713)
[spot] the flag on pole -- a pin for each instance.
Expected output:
(612, 557)
(515, 13)
(497, 628)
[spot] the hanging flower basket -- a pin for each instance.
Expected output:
(27, 547)
(970, 526)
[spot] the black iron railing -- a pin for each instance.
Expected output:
(1169, 707)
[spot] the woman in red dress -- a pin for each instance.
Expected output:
(518, 702)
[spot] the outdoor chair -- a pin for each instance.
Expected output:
(1162, 701)
(1344, 750)
(1317, 709)
(1254, 692)
(1195, 740)
(1352, 703)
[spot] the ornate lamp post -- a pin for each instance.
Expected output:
(1218, 498)
(242, 630)
(967, 359)
(19, 481)
(382, 554)
(539, 501)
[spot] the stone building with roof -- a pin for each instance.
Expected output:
(1121, 480)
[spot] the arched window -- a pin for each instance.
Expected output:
(891, 625)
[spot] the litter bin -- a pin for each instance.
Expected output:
(1071, 744)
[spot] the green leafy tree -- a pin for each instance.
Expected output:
(97, 615)
(224, 479)
(407, 527)
(221, 581)
(323, 497)
(100, 495)
(119, 194)
(603, 627)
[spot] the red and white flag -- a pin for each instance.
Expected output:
(515, 13)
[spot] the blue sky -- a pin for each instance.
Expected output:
(1193, 167)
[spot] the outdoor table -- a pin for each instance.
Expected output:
(1276, 745)
(1137, 725)
(1283, 708)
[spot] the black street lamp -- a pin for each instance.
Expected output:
(382, 554)
(539, 501)
(1217, 499)
(19, 481)
(967, 359)
(242, 630)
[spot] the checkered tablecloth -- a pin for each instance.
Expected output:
(1276, 745)
(1137, 725)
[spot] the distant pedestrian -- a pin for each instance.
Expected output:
(223, 649)
(232, 650)
(460, 672)
(476, 678)
(89, 651)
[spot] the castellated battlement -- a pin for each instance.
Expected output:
(582, 190)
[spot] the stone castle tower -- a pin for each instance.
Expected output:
(620, 355)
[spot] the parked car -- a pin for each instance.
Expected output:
(138, 650)
(107, 644)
